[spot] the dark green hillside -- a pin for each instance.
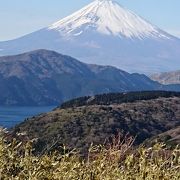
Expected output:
(117, 98)
(78, 127)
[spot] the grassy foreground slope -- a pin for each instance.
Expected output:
(80, 122)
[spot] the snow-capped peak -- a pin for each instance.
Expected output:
(106, 17)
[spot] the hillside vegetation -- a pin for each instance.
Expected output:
(171, 138)
(78, 125)
(118, 98)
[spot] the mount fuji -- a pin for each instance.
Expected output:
(105, 33)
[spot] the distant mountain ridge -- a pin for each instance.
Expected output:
(105, 33)
(44, 77)
(167, 77)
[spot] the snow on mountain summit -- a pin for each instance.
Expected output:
(105, 33)
(106, 17)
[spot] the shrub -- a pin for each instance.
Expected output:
(116, 161)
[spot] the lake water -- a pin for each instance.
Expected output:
(10, 116)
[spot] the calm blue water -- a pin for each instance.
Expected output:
(10, 116)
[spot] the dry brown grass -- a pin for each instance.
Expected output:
(116, 161)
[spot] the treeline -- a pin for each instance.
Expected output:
(117, 98)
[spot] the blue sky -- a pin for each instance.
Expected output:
(20, 17)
